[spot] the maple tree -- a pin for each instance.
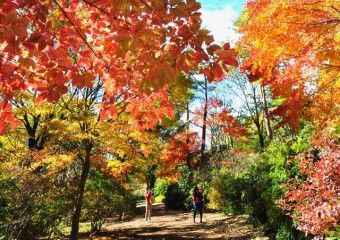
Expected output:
(219, 121)
(295, 56)
(203, 97)
(297, 59)
(134, 47)
(175, 152)
(222, 124)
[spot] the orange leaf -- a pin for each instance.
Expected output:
(42, 44)
(26, 62)
(180, 64)
(104, 114)
(8, 116)
(213, 48)
(232, 61)
(113, 111)
(41, 98)
(2, 128)
(224, 54)
(15, 123)
(226, 46)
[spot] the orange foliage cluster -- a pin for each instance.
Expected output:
(177, 151)
(220, 116)
(297, 57)
(134, 47)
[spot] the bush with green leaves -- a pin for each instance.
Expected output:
(255, 187)
(226, 191)
(161, 187)
(178, 195)
(32, 208)
(104, 198)
(175, 198)
(266, 178)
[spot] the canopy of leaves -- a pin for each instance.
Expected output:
(293, 47)
(134, 47)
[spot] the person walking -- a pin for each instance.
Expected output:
(198, 202)
(148, 204)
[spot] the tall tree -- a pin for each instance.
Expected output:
(204, 119)
(223, 126)
(266, 112)
(247, 104)
(75, 141)
(296, 57)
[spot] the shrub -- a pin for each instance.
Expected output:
(160, 199)
(161, 187)
(226, 191)
(104, 198)
(31, 206)
(175, 198)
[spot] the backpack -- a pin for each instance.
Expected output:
(152, 199)
(198, 198)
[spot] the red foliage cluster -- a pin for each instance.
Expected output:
(314, 201)
(135, 48)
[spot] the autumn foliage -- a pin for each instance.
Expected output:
(134, 47)
(87, 78)
(297, 57)
(293, 49)
(314, 201)
(178, 150)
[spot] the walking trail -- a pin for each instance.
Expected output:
(177, 225)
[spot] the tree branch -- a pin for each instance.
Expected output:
(77, 30)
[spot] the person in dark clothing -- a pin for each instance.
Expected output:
(198, 202)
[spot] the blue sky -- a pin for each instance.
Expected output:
(218, 16)
(220, 4)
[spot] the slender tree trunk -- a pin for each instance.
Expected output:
(205, 114)
(187, 132)
(261, 137)
(266, 113)
(80, 195)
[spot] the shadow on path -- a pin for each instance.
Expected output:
(176, 225)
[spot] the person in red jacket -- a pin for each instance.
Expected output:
(148, 205)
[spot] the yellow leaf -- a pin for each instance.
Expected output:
(337, 37)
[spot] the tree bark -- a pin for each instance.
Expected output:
(205, 114)
(80, 195)
(187, 132)
(266, 113)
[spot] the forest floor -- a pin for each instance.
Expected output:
(177, 225)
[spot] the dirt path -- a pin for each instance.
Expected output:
(177, 225)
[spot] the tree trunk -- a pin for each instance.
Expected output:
(261, 137)
(266, 113)
(205, 114)
(187, 132)
(80, 195)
